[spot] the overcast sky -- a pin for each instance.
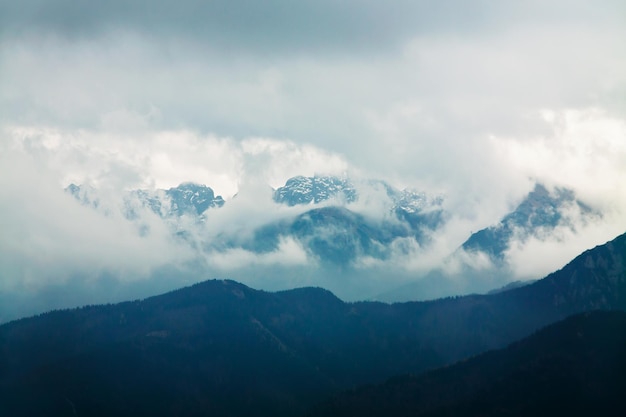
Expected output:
(473, 99)
(421, 92)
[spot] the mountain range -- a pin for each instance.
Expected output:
(541, 215)
(333, 226)
(220, 347)
(363, 240)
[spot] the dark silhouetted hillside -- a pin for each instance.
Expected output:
(576, 367)
(222, 348)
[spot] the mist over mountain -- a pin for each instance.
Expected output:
(359, 238)
(222, 347)
(487, 259)
(538, 214)
(187, 198)
(335, 223)
(329, 204)
(336, 232)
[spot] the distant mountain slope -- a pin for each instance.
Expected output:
(336, 225)
(338, 235)
(191, 198)
(538, 214)
(576, 367)
(335, 235)
(222, 348)
(317, 189)
(482, 262)
(187, 198)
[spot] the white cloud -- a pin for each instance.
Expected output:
(536, 257)
(288, 253)
(49, 237)
(585, 150)
(164, 159)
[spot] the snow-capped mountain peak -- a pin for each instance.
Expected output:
(187, 198)
(313, 190)
(540, 212)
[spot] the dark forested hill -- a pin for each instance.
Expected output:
(576, 367)
(221, 348)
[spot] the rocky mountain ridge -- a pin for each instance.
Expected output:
(539, 213)
(185, 199)
(327, 222)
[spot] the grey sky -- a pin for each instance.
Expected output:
(275, 26)
(473, 99)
